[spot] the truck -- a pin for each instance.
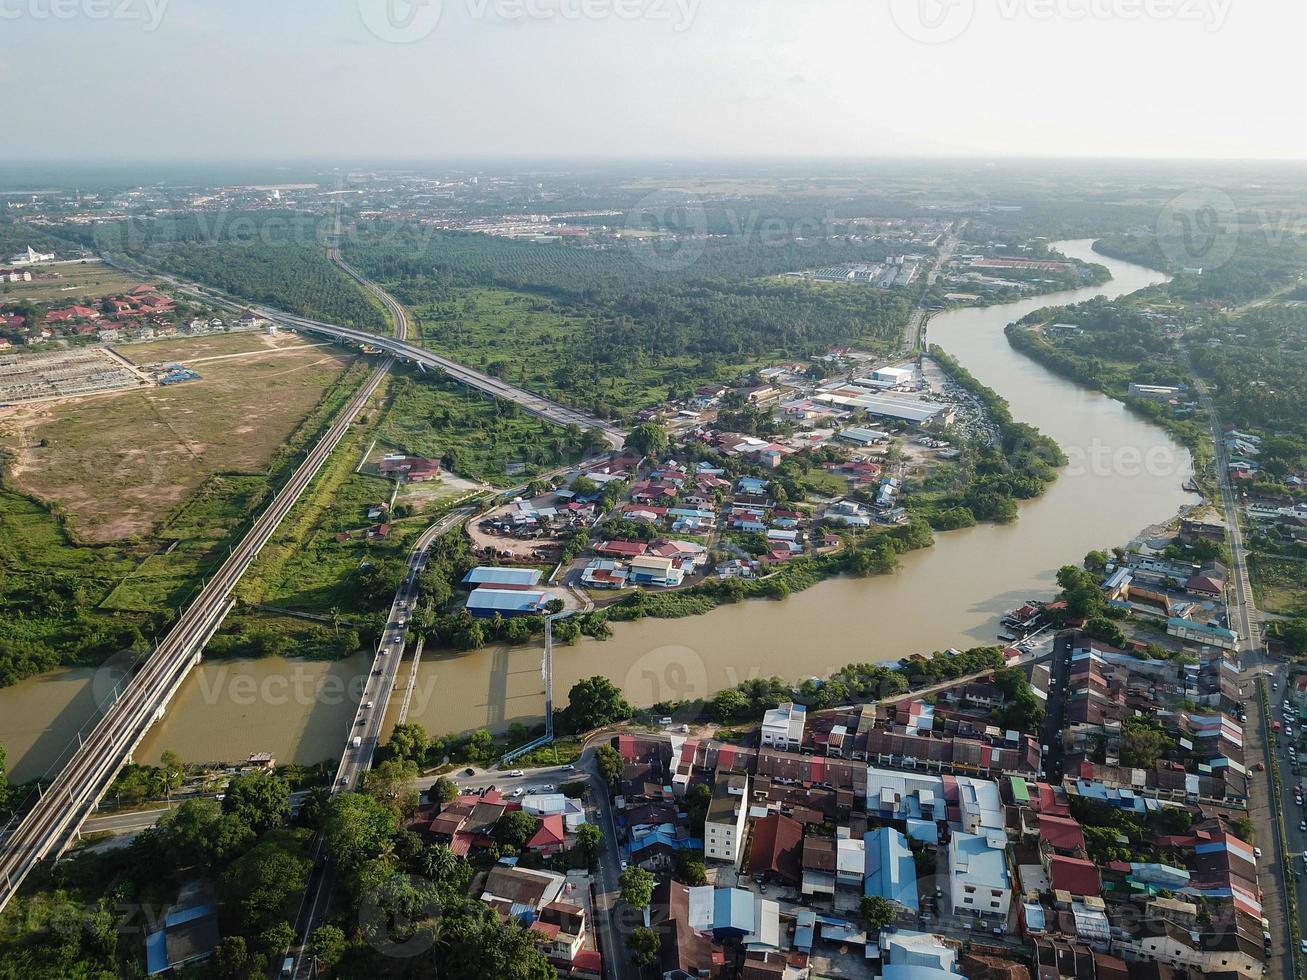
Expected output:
(358, 741)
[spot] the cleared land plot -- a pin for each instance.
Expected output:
(119, 464)
(55, 284)
(1281, 585)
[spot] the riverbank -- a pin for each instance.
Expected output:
(949, 595)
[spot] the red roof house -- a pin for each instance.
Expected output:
(548, 839)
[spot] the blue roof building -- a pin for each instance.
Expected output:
(188, 936)
(891, 872)
(486, 602)
(488, 575)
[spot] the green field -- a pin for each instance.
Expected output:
(1280, 584)
(476, 436)
(537, 344)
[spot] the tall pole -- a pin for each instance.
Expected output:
(549, 677)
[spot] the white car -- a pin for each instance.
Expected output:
(1257, 851)
(517, 772)
(518, 792)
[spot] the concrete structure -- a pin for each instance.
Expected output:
(782, 728)
(723, 827)
(979, 882)
(653, 570)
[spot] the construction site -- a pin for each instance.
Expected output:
(66, 374)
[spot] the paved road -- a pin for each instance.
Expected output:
(364, 734)
(617, 960)
(914, 330)
(1264, 807)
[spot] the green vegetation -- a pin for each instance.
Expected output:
(69, 919)
(613, 329)
(275, 258)
(475, 436)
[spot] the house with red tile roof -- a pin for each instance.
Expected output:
(1077, 876)
(776, 849)
(549, 836)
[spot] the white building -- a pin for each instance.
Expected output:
(782, 728)
(31, 257)
(979, 881)
(723, 827)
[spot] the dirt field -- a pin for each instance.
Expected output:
(118, 463)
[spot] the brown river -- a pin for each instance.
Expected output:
(1125, 474)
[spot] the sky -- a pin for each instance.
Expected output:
(394, 79)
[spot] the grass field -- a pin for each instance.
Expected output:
(1280, 585)
(525, 340)
(117, 465)
(79, 281)
(478, 435)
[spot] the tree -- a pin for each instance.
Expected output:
(391, 784)
(1143, 743)
(262, 884)
(170, 765)
(645, 946)
(328, 943)
(610, 764)
(648, 439)
(260, 799)
(276, 937)
(636, 887)
(408, 741)
(197, 832)
(444, 790)
(1107, 630)
(595, 702)
(690, 870)
(877, 911)
(729, 705)
(515, 829)
(589, 840)
(355, 829)
(231, 959)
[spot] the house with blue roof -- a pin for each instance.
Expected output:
(890, 872)
(188, 935)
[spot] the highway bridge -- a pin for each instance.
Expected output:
(47, 827)
(534, 404)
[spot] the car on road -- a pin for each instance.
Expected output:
(1304, 945)
(1302, 824)
(517, 792)
(469, 771)
(568, 768)
(516, 773)
(1257, 852)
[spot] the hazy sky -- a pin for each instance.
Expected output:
(160, 79)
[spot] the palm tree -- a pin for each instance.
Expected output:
(334, 613)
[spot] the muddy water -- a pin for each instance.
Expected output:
(1125, 474)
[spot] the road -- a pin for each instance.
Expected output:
(914, 330)
(617, 961)
(1264, 807)
(397, 346)
(364, 733)
(69, 797)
